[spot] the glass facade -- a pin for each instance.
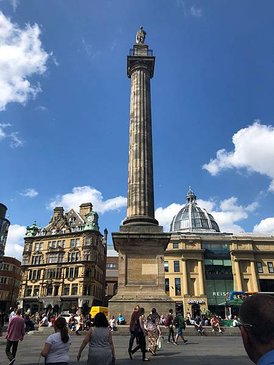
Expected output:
(218, 272)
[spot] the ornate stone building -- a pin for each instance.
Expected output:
(4, 227)
(202, 264)
(10, 279)
(64, 263)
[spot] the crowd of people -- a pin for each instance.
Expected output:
(256, 324)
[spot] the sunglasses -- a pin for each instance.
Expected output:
(240, 324)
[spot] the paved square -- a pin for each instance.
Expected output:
(219, 350)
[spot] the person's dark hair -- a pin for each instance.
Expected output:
(171, 310)
(257, 311)
(61, 325)
(141, 311)
(19, 311)
(100, 320)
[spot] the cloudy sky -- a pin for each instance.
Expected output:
(64, 105)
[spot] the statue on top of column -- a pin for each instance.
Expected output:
(140, 36)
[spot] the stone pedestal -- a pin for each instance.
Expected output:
(141, 270)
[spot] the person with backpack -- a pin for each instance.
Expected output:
(169, 324)
(180, 325)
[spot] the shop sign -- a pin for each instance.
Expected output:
(219, 293)
(196, 301)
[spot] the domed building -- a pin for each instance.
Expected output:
(202, 264)
(192, 218)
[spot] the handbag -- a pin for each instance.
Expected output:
(160, 342)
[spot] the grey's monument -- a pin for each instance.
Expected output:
(140, 242)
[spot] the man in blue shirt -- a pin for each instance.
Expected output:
(257, 328)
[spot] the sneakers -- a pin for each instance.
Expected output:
(12, 361)
(146, 359)
(185, 341)
(175, 343)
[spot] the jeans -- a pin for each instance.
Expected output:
(171, 333)
(11, 353)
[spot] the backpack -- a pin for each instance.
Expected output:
(168, 320)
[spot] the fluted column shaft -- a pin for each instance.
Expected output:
(140, 167)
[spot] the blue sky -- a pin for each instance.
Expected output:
(64, 105)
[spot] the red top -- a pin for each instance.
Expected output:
(16, 329)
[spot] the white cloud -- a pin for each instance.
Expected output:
(164, 215)
(15, 241)
(186, 10)
(14, 4)
(253, 150)
(30, 193)
(85, 194)
(196, 12)
(41, 108)
(21, 56)
(13, 137)
(227, 213)
(266, 226)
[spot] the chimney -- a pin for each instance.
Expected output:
(85, 208)
(58, 212)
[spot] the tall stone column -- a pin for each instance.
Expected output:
(140, 208)
(140, 242)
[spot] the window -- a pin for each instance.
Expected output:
(74, 289)
(111, 266)
(166, 266)
(167, 285)
(38, 246)
(177, 286)
(36, 290)
(72, 272)
(259, 267)
(36, 260)
(176, 245)
(74, 242)
(55, 257)
(176, 266)
(28, 291)
(49, 289)
(73, 256)
(270, 267)
(5, 267)
(66, 289)
(3, 280)
(87, 290)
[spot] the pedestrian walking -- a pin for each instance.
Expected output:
(153, 330)
(99, 338)
(169, 324)
(141, 335)
(15, 333)
(133, 328)
(180, 326)
(56, 348)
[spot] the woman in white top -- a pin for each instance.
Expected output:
(56, 348)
